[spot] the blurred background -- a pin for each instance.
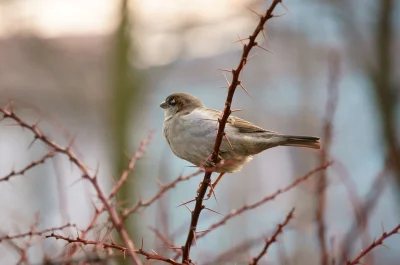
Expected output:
(96, 71)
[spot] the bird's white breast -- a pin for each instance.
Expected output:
(192, 136)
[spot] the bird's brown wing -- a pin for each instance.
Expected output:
(242, 125)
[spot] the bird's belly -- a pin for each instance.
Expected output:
(194, 142)
(191, 146)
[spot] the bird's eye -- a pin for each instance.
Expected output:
(171, 102)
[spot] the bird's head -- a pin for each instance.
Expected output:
(180, 103)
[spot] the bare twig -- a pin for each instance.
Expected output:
(168, 243)
(31, 165)
(116, 220)
(32, 232)
(79, 240)
(245, 208)
(367, 207)
(161, 192)
(131, 165)
(155, 256)
(222, 122)
(232, 253)
(374, 244)
(273, 238)
(322, 181)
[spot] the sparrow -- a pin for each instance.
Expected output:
(190, 129)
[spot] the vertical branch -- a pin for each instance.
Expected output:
(124, 92)
(322, 181)
(222, 122)
(381, 76)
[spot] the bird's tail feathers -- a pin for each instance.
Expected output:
(302, 141)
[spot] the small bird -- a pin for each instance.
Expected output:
(190, 129)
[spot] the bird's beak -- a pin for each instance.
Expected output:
(163, 105)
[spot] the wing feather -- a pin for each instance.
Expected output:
(242, 125)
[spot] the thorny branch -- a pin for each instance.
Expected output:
(116, 220)
(78, 240)
(372, 198)
(122, 180)
(245, 208)
(131, 165)
(33, 164)
(82, 241)
(323, 181)
(374, 244)
(107, 206)
(32, 232)
(222, 122)
(273, 238)
(162, 190)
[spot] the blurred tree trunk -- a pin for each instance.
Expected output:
(380, 70)
(125, 90)
(382, 77)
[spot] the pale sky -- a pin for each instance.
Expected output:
(51, 18)
(159, 23)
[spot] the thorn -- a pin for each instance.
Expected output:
(213, 211)
(97, 168)
(255, 12)
(95, 208)
(285, 7)
(154, 251)
(33, 141)
(75, 182)
(202, 231)
(121, 203)
(175, 248)
(186, 203)
(111, 239)
(226, 79)
(229, 142)
(280, 15)
(205, 119)
(224, 70)
(245, 90)
(160, 183)
(194, 166)
(385, 246)
(248, 59)
(235, 110)
(9, 105)
(187, 207)
(212, 192)
(194, 238)
(265, 49)
(264, 35)
(71, 142)
(37, 123)
(240, 39)
(113, 179)
(141, 246)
